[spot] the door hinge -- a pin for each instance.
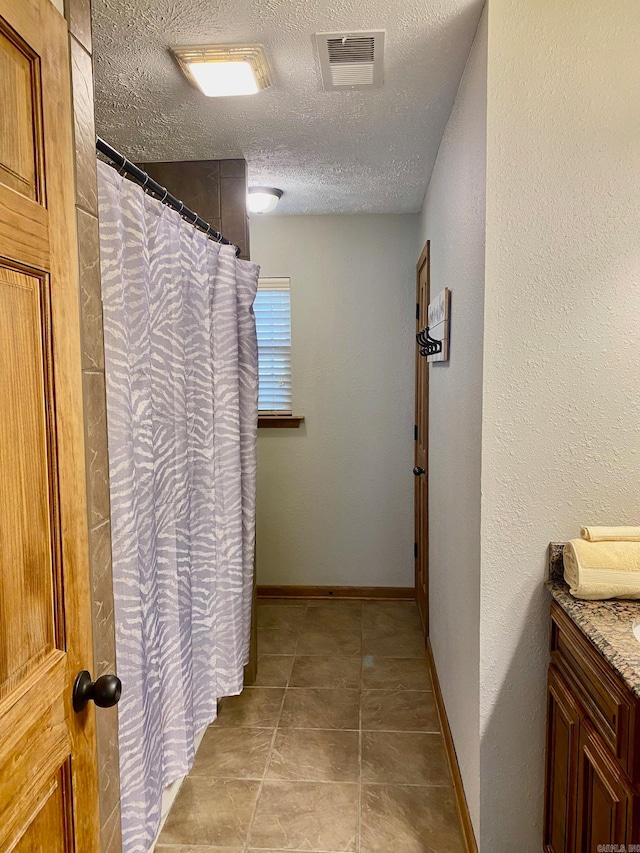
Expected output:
(417, 310)
(415, 550)
(415, 432)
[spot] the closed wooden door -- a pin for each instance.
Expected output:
(48, 777)
(605, 801)
(421, 451)
(563, 726)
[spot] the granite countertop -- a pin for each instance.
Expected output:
(608, 624)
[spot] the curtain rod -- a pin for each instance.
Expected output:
(147, 183)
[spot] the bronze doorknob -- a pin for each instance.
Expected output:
(418, 471)
(104, 691)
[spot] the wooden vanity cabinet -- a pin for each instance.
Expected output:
(592, 791)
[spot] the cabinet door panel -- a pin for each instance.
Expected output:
(604, 798)
(563, 724)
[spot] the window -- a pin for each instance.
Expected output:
(272, 308)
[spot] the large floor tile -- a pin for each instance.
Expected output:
(315, 755)
(386, 615)
(276, 616)
(395, 673)
(393, 642)
(189, 848)
(277, 641)
(336, 604)
(409, 819)
(399, 710)
(213, 812)
(404, 758)
(310, 671)
(255, 707)
(233, 753)
(339, 642)
(306, 816)
(273, 670)
(334, 615)
(320, 709)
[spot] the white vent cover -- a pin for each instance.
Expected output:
(352, 60)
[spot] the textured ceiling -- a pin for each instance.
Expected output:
(331, 152)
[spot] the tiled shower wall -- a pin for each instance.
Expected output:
(78, 15)
(215, 189)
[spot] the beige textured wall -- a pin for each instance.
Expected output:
(453, 219)
(561, 403)
(78, 14)
(335, 498)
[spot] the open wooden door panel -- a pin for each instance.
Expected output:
(48, 775)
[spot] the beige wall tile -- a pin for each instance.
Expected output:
(96, 447)
(111, 833)
(104, 649)
(108, 760)
(85, 130)
(90, 292)
(78, 14)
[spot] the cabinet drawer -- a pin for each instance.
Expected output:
(605, 700)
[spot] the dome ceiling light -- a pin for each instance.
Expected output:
(263, 199)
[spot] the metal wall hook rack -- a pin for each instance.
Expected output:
(427, 344)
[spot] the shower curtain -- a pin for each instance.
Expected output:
(182, 384)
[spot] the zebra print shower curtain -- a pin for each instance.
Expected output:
(182, 382)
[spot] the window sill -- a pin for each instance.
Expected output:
(279, 421)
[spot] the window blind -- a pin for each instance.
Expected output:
(272, 308)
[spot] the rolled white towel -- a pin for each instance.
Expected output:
(610, 534)
(599, 570)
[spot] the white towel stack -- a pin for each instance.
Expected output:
(604, 563)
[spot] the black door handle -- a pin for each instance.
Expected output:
(418, 471)
(104, 691)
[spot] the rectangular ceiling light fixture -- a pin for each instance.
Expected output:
(226, 69)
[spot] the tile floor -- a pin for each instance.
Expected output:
(336, 748)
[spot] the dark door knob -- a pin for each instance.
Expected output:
(417, 471)
(104, 691)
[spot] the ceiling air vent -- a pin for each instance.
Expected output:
(351, 60)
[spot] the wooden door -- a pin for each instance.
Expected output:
(605, 802)
(563, 726)
(421, 452)
(48, 777)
